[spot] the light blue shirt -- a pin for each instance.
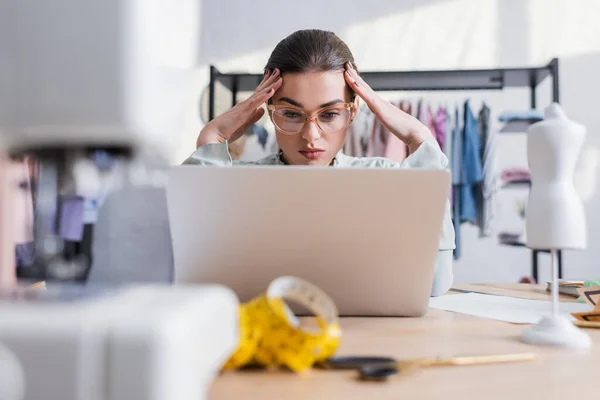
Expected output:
(427, 156)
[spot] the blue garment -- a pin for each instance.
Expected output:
(472, 169)
(25, 254)
(457, 179)
(261, 133)
(457, 151)
(527, 115)
(70, 218)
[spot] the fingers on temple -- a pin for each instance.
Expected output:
(357, 83)
(353, 78)
(269, 78)
(261, 96)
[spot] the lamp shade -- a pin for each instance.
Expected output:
(555, 217)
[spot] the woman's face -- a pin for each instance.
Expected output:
(310, 92)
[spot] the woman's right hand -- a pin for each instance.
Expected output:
(232, 124)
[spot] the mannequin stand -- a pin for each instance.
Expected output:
(556, 329)
(534, 263)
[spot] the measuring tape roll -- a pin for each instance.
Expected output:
(270, 334)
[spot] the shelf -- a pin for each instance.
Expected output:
(517, 126)
(525, 183)
(472, 79)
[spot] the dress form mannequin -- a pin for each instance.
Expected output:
(555, 214)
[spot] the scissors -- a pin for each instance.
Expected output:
(382, 368)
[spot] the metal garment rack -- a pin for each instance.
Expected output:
(442, 80)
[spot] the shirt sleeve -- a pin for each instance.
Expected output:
(212, 154)
(443, 276)
(429, 156)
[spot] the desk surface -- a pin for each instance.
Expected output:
(559, 374)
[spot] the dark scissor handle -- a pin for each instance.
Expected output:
(355, 362)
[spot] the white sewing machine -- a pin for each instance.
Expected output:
(79, 76)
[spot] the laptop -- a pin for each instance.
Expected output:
(368, 237)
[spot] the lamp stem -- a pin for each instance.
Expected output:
(554, 282)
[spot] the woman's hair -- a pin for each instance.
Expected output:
(310, 50)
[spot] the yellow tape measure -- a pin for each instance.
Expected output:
(270, 334)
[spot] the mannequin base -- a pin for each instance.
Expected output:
(557, 331)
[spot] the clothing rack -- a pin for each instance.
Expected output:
(438, 80)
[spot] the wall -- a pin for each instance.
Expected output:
(440, 34)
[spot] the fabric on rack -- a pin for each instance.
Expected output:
(472, 169)
(447, 149)
(24, 254)
(526, 115)
(512, 175)
(406, 106)
(425, 115)
(71, 218)
(396, 149)
(488, 188)
(378, 140)
(353, 147)
(439, 123)
(91, 206)
(359, 132)
(260, 132)
(457, 180)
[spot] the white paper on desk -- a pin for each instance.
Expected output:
(508, 309)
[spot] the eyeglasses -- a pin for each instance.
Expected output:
(290, 120)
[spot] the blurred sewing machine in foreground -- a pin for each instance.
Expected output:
(88, 89)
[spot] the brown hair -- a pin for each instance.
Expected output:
(311, 50)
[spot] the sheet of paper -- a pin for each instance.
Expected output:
(508, 309)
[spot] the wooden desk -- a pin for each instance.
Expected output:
(559, 374)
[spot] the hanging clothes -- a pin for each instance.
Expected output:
(71, 218)
(457, 180)
(488, 188)
(24, 254)
(472, 170)
(396, 149)
(359, 133)
(439, 123)
(447, 149)
(515, 175)
(425, 115)
(377, 140)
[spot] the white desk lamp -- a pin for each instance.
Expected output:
(555, 216)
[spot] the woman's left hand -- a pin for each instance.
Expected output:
(404, 126)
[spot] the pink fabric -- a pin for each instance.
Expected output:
(439, 124)
(396, 149)
(515, 175)
(377, 140)
(425, 115)
(383, 143)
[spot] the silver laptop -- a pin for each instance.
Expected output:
(367, 237)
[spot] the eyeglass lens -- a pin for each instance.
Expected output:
(331, 120)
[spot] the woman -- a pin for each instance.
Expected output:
(310, 87)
